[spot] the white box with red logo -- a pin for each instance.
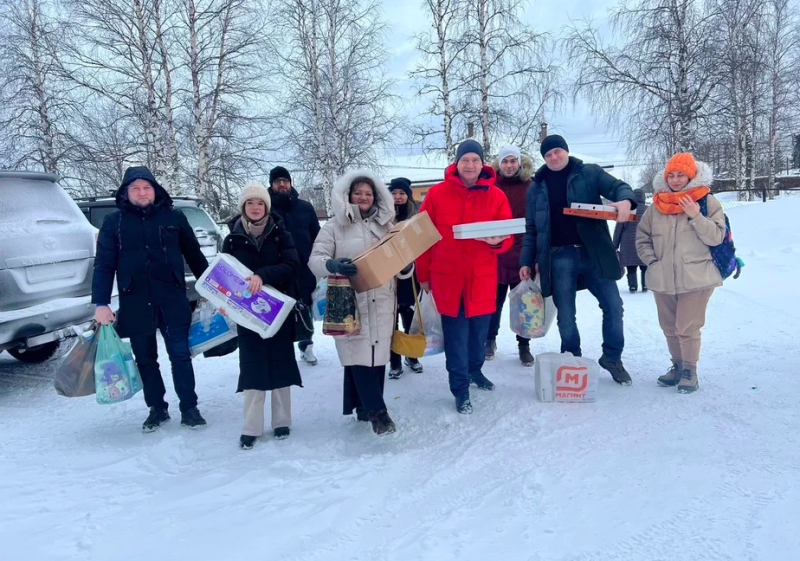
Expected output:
(566, 378)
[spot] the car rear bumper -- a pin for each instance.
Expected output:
(51, 321)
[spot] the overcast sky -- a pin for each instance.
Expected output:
(588, 137)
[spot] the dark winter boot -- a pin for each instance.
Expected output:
(490, 348)
(395, 372)
(633, 289)
(361, 416)
(247, 442)
(281, 433)
(191, 418)
(482, 382)
(414, 364)
(617, 371)
(463, 405)
(672, 377)
(525, 356)
(689, 382)
(157, 417)
(382, 424)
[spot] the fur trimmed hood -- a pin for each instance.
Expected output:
(526, 167)
(345, 212)
(704, 178)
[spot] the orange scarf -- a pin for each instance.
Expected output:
(667, 201)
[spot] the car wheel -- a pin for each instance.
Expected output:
(35, 355)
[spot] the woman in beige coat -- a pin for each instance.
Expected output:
(363, 211)
(673, 240)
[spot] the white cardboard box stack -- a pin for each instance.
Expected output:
(489, 229)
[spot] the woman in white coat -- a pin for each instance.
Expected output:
(363, 211)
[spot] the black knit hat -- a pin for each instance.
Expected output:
(401, 183)
(470, 147)
(279, 172)
(553, 141)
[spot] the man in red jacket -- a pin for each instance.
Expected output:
(462, 274)
(514, 176)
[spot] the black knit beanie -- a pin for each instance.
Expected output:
(470, 147)
(279, 172)
(553, 141)
(401, 183)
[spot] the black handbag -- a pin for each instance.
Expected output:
(303, 322)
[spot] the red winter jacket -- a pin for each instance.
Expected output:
(467, 268)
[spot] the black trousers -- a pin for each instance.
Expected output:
(363, 389)
(494, 323)
(406, 314)
(145, 350)
(632, 276)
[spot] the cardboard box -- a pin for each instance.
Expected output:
(488, 229)
(599, 212)
(224, 286)
(391, 254)
(565, 378)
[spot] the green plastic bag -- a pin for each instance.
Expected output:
(116, 376)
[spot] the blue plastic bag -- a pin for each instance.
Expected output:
(318, 299)
(116, 375)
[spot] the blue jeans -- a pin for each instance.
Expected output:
(304, 344)
(569, 264)
(464, 340)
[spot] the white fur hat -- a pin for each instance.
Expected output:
(254, 190)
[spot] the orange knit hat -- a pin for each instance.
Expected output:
(682, 161)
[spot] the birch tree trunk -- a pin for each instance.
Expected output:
(48, 156)
(483, 23)
(152, 135)
(172, 163)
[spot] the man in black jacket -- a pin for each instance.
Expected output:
(144, 244)
(572, 253)
(300, 219)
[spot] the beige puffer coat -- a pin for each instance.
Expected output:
(675, 248)
(347, 235)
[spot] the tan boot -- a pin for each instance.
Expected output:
(672, 377)
(689, 382)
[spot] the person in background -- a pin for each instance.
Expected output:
(462, 274)
(625, 243)
(260, 241)
(144, 245)
(300, 220)
(572, 253)
(673, 239)
(514, 176)
(404, 208)
(363, 212)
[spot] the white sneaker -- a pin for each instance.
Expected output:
(308, 355)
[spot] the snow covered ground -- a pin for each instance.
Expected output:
(643, 474)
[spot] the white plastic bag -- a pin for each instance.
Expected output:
(432, 320)
(318, 299)
(530, 314)
(566, 378)
(208, 329)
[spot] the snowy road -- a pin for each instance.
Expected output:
(643, 474)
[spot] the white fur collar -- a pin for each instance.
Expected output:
(345, 212)
(704, 178)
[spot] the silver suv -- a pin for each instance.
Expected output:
(208, 235)
(46, 262)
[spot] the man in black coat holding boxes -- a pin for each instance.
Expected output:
(144, 244)
(572, 253)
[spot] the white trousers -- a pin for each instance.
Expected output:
(254, 401)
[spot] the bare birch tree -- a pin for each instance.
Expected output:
(35, 103)
(657, 84)
(437, 73)
(336, 108)
(222, 47)
(509, 79)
